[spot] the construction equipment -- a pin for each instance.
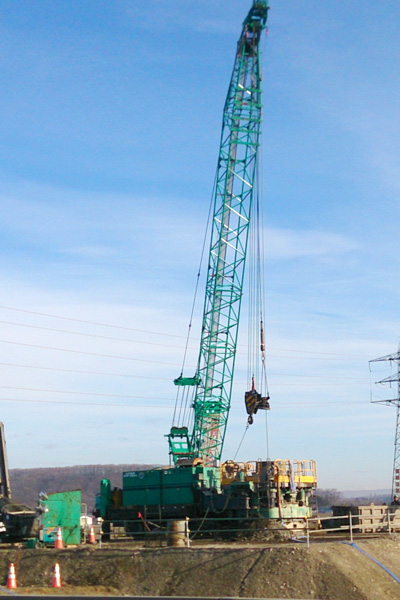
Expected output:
(18, 521)
(59, 518)
(5, 486)
(196, 484)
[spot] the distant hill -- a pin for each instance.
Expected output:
(332, 497)
(26, 484)
(365, 493)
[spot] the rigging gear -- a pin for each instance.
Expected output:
(254, 402)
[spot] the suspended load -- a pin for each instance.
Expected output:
(254, 402)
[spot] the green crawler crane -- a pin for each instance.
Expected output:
(197, 485)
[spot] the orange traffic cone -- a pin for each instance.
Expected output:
(56, 576)
(59, 540)
(11, 578)
(92, 537)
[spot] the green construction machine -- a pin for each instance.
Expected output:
(197, 484)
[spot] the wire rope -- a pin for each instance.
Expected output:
(199, 270)
(266, 434)
(187, 406)
(183, 409)
(241, 441)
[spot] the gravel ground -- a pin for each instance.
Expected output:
(328, 570)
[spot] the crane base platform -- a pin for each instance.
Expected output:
(281, 490)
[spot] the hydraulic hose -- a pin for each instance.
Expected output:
(373, 559)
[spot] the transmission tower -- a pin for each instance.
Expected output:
(395, 378)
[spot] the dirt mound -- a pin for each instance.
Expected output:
(326, 570)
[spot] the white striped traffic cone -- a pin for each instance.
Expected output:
(59, 540)
(92, 537)
(56, 577)
(11, 578)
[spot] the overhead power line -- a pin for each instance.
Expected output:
(90, 335)
(29, 389)
(157, 362)
(102, 373)
(148, 343)
(76, 403)
(152, 378)
(279, 406)
(127, 396)
(125, 328)
(269, 348)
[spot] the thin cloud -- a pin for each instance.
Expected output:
(215, 26)
(102, 252)
(288, 244)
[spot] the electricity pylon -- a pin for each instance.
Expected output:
(393, 358)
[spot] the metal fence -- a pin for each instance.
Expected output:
(372, 519)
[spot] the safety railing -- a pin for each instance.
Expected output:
(368, 520)
(201, 529)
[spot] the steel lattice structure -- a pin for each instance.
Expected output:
(235, 182)
(394, 358)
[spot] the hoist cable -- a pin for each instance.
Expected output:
(266, 434)
(182, 411)
(186, 412)
(261, 252)
(175, 407)
(261, 268)
(181, 404)
(241, 441)
(250, 332)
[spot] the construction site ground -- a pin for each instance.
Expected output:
(328, 569)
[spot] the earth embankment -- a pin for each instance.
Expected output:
(326, 570)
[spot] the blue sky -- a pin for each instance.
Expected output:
(110, 121)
